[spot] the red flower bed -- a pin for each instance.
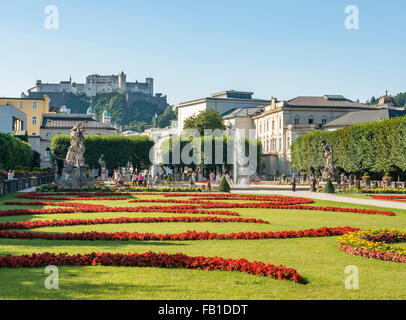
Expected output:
(152, 260)
(185, 236)
(390, 198)
(93, 208)
(264, 205)
(121, 220)
(80, 196)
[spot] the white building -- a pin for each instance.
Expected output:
(97, 84)
(282, 122)
(240, 118)
(64, 109)
(106, 117)
(222, 102)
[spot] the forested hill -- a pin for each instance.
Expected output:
(400, 100)
(132, 112)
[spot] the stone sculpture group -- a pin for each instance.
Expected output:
(76, 174)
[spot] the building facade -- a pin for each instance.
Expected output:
(97, 84)
(12, 119)
(240, 119)
(282, 122)
(222, 102)
(33, 108)
(58, 123)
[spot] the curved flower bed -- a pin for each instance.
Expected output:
(263, 205)
(185, 236)
(121, 220)
(92, 208)
(376, 244)
(390, 198)
(79, 196)
(352, 239)
(384, 190)
(152, 260)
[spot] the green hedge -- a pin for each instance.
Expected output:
(168, 152)
(14, 153)
(378, 148)
(117, 150)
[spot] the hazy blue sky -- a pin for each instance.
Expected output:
(194, 48)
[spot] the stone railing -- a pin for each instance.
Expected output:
(14, 185)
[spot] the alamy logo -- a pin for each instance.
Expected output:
(52, 20)
(352, 20)
(352, 281)
(52, 281)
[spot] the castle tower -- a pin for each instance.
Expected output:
(91, 112)
(150, 83)
(106, 117)
(122, 82)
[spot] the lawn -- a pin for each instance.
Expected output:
(316, 259)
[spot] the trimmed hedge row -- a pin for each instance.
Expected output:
(14, 153)
(117, 150)
(377, 147)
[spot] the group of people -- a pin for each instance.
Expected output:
(140, 179)
(344, 181)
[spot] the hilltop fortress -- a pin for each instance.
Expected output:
(97, 84)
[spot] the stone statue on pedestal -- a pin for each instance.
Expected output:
(330, 171)
(76, 174)
(102, 162)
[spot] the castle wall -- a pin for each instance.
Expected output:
(98, 84)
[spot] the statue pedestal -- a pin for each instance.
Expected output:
(76, 178)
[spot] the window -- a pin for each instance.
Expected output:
(311, 120)
(34, 120)
(34, 104)
(297, 121)
(21, 104)
(324, 121)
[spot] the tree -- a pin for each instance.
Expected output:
(164, 120)
(207, 149)
(15, 153)
(329, 187)
(224, 186)
(207, 119)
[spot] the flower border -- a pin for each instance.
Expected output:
(375, 244)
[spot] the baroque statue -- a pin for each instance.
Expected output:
(329, 171)
(76, 174)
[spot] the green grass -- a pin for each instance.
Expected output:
(318, 260)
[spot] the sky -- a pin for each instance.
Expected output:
(193, 48)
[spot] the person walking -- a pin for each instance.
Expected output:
(293, 183)
(351, 182)
(149, 181)
(313, 182)
(140, 178)
(134, 179)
